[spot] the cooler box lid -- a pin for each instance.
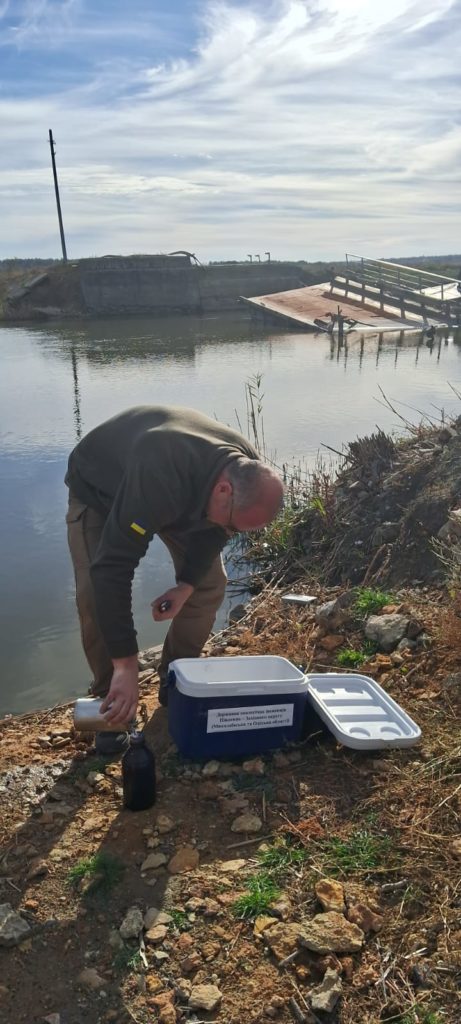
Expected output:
(359, 712)
(239, 676)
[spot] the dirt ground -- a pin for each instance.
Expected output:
(383, 824)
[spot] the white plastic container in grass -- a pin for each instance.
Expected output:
(231, 707)
(359, 712)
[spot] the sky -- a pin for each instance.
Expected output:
(307, 128)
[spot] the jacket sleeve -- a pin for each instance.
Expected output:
(143, 505)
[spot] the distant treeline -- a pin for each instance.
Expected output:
(450, 264)
(19, 264)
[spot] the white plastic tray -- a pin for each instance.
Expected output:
(359, 712)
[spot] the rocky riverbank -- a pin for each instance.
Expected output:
(315, 884)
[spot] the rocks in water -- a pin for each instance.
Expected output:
(90, 978)
(247, 823)
(330, 894)
(13, 927)
(388, 630)
(331, 933)
(132, 923)
(326, 995)
(153, 861)
(334, 614)
(204, 997)
(365, 918)
(185, 859)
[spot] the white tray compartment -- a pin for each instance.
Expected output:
(360, 713)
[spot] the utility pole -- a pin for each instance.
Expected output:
(58, 202)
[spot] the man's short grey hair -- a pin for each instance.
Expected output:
(247, 477)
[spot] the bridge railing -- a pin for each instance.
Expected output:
(382, 274)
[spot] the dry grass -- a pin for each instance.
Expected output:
(412, 797)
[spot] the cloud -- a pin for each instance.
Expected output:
(304, 127)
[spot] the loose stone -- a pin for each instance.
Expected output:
(205, 997)
(325, 997)
(331, 933)
(210, 769)
(254, 767)
(90, 978)
(231, 866)
(247, 823)
(362, 916)
(330, 894)
(283, 939)
(156, 934)
(185, 859)
(150, 917)
(132, 923)
(153, 861)
(262, 923)
(13, 928)
(165, 824)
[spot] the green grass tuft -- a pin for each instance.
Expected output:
(261, 892)
(363, 850)
(351, 658)
(370, 601)
(418, 1015)
(126, 960)
(179, 918)
(278, 536)
(103, 869)
(278, 859)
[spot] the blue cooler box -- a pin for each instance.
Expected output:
(230, 707)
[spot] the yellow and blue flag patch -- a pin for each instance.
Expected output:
(138, 528)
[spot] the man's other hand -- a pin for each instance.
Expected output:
(120, 705)
(176, 598)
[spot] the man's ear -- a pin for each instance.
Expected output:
(225, 487)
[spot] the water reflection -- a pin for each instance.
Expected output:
(385, 341)
(59, 381)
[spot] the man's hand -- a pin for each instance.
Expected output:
(119, 707)
(176, 598)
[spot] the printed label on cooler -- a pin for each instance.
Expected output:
(266, 716)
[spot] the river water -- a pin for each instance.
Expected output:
(60, 380)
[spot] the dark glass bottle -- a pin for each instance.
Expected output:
(138, 774)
